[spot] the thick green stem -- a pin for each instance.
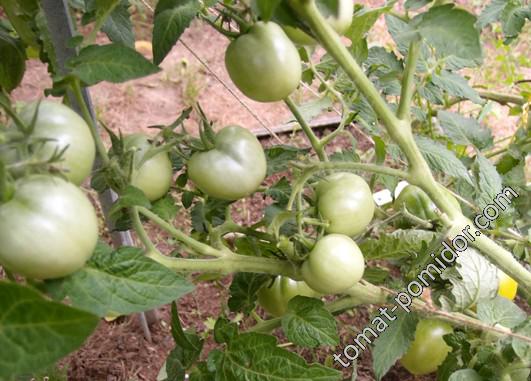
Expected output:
(85, 113)
(408, 83)
(229, 264)
(502, 98)
(140, 231)
(196, 246)
(400, 132)
(314, 141)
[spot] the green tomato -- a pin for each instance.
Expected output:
(274, 298)
(263, 63)
(428, 350)
(48, 229)
(154, 175)
(418, 203)
(334, 265)
(62, 128)
(233, 169)
(337, 13)
(345, 201)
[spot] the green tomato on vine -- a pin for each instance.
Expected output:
(334, 265)
(234, 168)
(152, 176)
(48, 229)
(263, 63)
(346, 202)
(274, 297)
(428, 350)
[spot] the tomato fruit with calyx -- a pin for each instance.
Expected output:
(345, 201)
(274, 297)
(233, 168)
(418, 203)
(338, 15)
(154, 175)
(428, 350)
(263, 63)
(59, 127)
(48, 229)
(507, 286)
(334, 265)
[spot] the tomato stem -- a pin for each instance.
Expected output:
(408, 85)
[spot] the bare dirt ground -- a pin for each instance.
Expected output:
(118, 351)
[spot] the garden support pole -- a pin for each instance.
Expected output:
(61, 31)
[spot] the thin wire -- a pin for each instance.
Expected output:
(227, 87)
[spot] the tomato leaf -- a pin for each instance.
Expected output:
(118, 26)
(473, 278)
(114, 63)
(500, 310)
(441, 159)
(451, 31)
(120, 282)
(131, 196)
(465, 375)
(13, 62)
(308, 324)
(522, 348)
(489, 181)
(172, 17)
(256, 356)
(399, 244)
(456, 85)
(278, 157)
(393, 343)
(243, 291)
(464, 131)
(165, 208)
(266, 8)
(35, 332)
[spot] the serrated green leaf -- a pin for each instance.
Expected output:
(513, 19)
(131, 196)
(118, 26)
(35, 332)
(441, 159)
(254, 356)
(523, 348)
(171, 20)
(114, 63)
(393, 343)
(13, 62)
(464, 131)
(500, 310)
(165, 208)
(451, 31)
(491, 13)
(278, 157)
(489, 181)
(416, 4)
(243, 291)
(473, 278)
(456, 85)
(363, 20)
(121, 282)
(280, 191)
(308, 324)
(399, 244)
(465, 375)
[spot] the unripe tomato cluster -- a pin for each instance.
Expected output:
(48, 227)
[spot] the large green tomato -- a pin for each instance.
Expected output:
(274, 298)
(154, 175)
(428, 350)
(263, 63)
(345, 200)
(337, 13)
(418, 203)
(233, 169)
(334, 265)
(64, 129)
(48, 229)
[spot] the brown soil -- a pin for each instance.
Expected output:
(118, 350)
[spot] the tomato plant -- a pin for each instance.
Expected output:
(263, 63)
(334, 264)
(233, 168)
(287, 236)
(345, 201)
(274, 297)
(41, 235)
(153, 175)
(429, 349)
